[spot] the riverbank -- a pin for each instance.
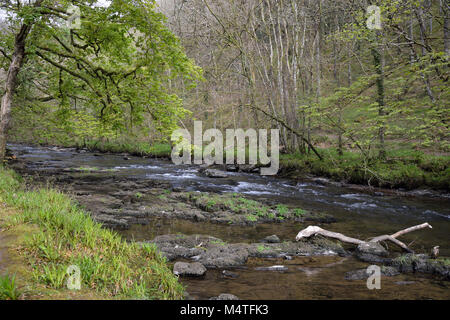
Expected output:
(43, 233)
(406, 170)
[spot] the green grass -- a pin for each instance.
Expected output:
(236, 203)
(300, 212)
(65, 235)
(282, 210)
(158, 150)
(8, 288)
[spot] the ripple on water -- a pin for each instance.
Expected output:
(136, 166)
(431, 212)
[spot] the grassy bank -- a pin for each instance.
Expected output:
(43, 233)
(157, 150)
(401, 169)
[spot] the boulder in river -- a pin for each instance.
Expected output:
(362, 273)
(271, 239)
(248, 168)
(215, 253)
(372, 252)
(185, 269)
(412, 263)
(232, 255)
(372, 248)
(229, 274)
(213, 173)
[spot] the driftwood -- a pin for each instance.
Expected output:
(313, 230)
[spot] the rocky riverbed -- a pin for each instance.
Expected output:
(233, 232)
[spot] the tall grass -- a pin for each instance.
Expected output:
(68, 236)
(8, 289)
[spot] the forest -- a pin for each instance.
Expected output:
(92, 91)
(373, 103)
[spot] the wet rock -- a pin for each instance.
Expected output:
(373, 248)
(389, 271)
(366, 257)
(215, 253)
(225, 296)
(181, 246)
(363, 274)
(412, 263)
(272, 268)
(184, 269)
(232, 168)
(229, 274)
(248, 168)
(213, 173)
(372, 252)
(203, 167)
(225, 256)
(271, 239)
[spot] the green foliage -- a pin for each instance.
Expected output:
(282, 210)
(100, 81)
(403, 168)
(262, 248)
(8, 289)
(299, 212)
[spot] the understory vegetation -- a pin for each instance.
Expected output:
(405, 169)
(51, 233)
(352, 103)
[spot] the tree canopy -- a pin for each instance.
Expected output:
(103, 74)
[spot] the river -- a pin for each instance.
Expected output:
(359, 213)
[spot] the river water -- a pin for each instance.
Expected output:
(359, 214)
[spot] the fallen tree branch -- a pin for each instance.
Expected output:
(313, 230)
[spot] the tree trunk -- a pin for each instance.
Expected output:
(10, 86)
(446, 11)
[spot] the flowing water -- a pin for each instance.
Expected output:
(359, 214)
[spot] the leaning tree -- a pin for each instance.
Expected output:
(116, 60)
